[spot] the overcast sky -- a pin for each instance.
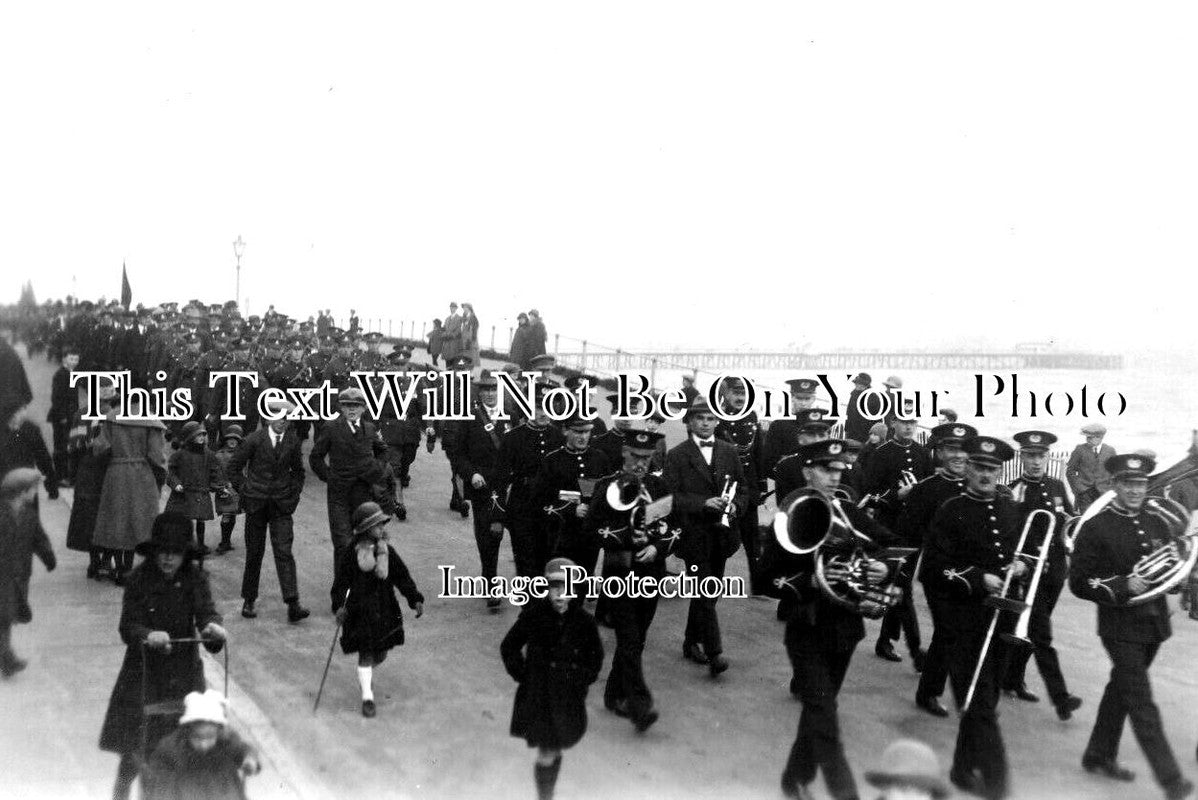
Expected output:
(690, 174)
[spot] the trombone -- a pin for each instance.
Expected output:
(1004, 602)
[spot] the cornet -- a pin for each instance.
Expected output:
(728, 494)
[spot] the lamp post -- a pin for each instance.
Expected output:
(238, 249)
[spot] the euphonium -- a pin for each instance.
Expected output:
(623, 494)
(812, 524)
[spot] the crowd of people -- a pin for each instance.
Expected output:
(865, 514)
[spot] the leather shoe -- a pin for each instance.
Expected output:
(1177, 791)
(884, 649)
(1022, 693)
(296, 612)
(932, 705)
(11, 665)
(223, 547)
(1108, 769)
(644, 723)
(493, 603)
(919, 657)
(717, 664)
(694, 652)
(247, 610)
(970, 782)
(1067, 706)
(368, 708)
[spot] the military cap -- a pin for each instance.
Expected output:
(229, 304)
(802, 385)
(297, 343)
(542, 362)
(462, 362)
(402, 349)
(1034, 441)
(578, 421)
(1094, 429)
(191, 338)
(828, 453)
(863, 379)
(1129, 467)
(952, 433)
(813, 419)
(988, 450)
(351, 396)
(396, 355)
(853, 446)
(642, 441)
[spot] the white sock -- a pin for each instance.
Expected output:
(364, 675)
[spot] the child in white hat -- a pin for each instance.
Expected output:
(203, 759)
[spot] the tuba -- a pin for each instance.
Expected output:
(811, 524)
(1171, 563)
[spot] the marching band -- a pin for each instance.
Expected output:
(857, 529)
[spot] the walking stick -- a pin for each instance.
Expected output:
(328, 662)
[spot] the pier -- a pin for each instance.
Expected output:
(608, 360)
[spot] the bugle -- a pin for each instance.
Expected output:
(727, 495)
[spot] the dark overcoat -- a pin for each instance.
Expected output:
(21, 536)
(181, 606)
(91, 450)
(692, 481)
(198, 471)
(555, 658)
(373, 621)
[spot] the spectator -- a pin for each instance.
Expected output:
(521, 351)
(470, 327)
(539, 336)
(435, 341)
(203, 759)
(64, 402)
(451, 336)
(89, 450)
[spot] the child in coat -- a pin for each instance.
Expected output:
(364, 597)
(193, 473)
(203, 759)
(555, 654)
(228, 502)
(21, 536)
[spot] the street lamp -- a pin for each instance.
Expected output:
(238, 249)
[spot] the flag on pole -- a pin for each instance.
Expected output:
(126, 290)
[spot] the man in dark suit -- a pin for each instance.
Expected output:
(1085, 472)
(1105, 554)
(696, 473)
(270, 491)
(475, 458)
(781, 439)
(746, 436)
(354, 472)
(856, 426)
(64, 402)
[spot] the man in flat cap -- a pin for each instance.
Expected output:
(696, 472)
(1085, 471)
(971, 549)
(1033, 490)
(1106, 551)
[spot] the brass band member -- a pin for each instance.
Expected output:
(820, 635)
(781, 438)
(745, 435)
(1105, 552)
(631, 547)
(571, 469)
(913, 524)
(971, 546)
(1036, 490)
(696, 473)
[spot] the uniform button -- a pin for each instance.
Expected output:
(994, 519)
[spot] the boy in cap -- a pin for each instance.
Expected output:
(971, 548)
(1106, 551)
(21, 537)
(554, 653)
(364, 597)
(203, 759)
(1035, 490)
(228, 502)
(1085, 471)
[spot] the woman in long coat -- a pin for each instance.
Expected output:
(21, 537)
(166, 597)
(470, 326)
(129, 499)
(521, 348)
(554, 653)
(90, 449)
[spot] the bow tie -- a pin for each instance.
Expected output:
(707, 443)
